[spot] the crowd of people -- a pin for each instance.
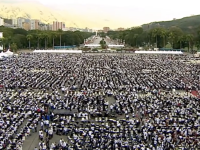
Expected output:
(100, 101)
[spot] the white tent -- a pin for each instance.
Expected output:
(115, 45)
(158, 52)
(57, 51)
(9, 53)
(3, 54)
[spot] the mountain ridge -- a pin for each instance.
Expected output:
(37, 10)
(186, 23)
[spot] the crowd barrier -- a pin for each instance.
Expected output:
(80, 51)
(158, 52)
(57, 51)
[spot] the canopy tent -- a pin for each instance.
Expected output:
(57, 51)
(115, 45)
(158, 52)
(92, 45)
(9, 53)
(3, 54)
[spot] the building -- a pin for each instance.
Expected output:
(1, 22)
(20, 22)
(49, 27)
(37, 24)
(90, 30)
(8, 21)
(26, 26)
(106, 29)
(32, 24)
(65, 29)
(14, 22)
(58, 25)
(99, 31)
(120, 29)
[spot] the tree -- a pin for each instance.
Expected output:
(60, 32)
(197, 39)
(103, 43)
(53, 36)
(29, 37)
(181, 40)
(171, 38)
(39, 37)
(20, 40)
(135, 37)
(163, 35)
(13, 47)
(174, 35)
(189, 38)
(102, 34)
(155, 34)
(3, 41)
(45, 37)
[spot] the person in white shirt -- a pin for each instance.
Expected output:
(63, 144)
(52, 146)
(42, 125)
(44, 147)
(50, 132)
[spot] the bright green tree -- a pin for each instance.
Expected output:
(29, 37)
(13, 47)
(60, 32)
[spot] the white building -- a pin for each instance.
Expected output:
(20, 22)
(1, 22)
(32, 24)
(14, 22)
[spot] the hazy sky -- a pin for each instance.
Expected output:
(121, 13)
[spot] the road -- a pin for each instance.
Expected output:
(98, 39)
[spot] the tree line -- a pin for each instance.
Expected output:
(158, 37)
(37, 39)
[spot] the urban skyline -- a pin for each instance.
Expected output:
(36, 24)
(96, 14)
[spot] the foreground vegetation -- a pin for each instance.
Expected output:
(158, 37)
(33, 39)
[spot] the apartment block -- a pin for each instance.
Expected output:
(106, 29)
(20, 22)
(1, 22)
(120, 29)
(26, 26)
(58, 25)
(14, 22)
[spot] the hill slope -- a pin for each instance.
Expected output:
(35, 10)
(187, 24)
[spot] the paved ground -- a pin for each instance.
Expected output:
(32, 141)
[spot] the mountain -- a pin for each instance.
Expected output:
(35, 10)
(187, 24)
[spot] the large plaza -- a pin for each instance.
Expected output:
(90, 101)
